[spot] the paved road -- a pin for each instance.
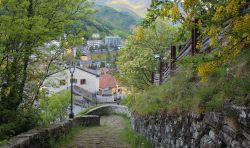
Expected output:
(108, 135)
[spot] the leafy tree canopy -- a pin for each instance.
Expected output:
(25, 25)
(136, 60)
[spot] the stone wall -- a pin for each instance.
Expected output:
(230, 128)
(40, 138)
(109, 109)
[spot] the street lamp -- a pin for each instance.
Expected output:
(71, 70)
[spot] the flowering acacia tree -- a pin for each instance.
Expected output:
(226, 19)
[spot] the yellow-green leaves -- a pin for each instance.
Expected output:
(175, 13)
(139, 33)
(190, 4)
(232, 8)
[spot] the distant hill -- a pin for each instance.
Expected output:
(137, 6)
(108, 21)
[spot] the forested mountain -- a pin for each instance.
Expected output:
(137, 6)
(108, 21)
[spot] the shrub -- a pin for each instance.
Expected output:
(54, 108)
(20, 121)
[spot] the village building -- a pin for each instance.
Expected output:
(89, 86)
(108, 85)
(113, 41)
(83, 78)
(94, 43)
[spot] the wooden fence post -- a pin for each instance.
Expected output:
(173, 57)
(194, 37)
(153, 78)
(161, 67)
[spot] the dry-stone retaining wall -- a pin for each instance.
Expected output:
(40, 138)
(230, 128)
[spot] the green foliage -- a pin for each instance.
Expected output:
(3, 142)
(107, 21)
(128, 101)
(113, 16)
(54, 108)
(133, 138)
(226, 19)
(172, 95)
(185, 91)
(102, 65)
(78, 53)
(25, 25)
(136, 61)
(24, 120)
(237, 82)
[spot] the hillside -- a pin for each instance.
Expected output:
(108, 21)
(137, 6)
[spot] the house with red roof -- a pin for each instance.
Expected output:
(107, 85)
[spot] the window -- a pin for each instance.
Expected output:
(83, 81)
(62, 82)
(74, 80)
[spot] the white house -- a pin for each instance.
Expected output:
(94, 43)
(84, 78)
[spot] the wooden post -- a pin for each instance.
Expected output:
(194, 37)
(173, 57)
(153, 78)
(161, 64)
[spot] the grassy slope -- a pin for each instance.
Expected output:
(183, 92)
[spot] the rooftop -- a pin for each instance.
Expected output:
(107, 81)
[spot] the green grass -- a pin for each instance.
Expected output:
(135, 139)
(184, 92)
(3, 142)
(174, 94)
(67, 138)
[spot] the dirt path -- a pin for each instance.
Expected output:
(108, 135)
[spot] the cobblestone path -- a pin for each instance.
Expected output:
(108, 135)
